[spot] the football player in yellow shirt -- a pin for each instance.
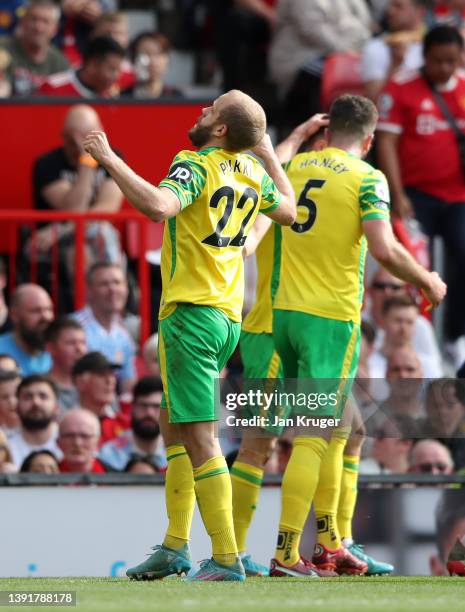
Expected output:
(210, 200)
(343, 209)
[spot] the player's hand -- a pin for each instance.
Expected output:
(436, 291)
(97, 145)
(264, 148)
(402, 206)
(312, 125)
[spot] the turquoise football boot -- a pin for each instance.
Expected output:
(162, 562)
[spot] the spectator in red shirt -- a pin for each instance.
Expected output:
(419, 153)
(98, 75)
(95, 380)
(78, 439)
(116, 26)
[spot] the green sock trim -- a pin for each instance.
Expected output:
(221, 470)
(169, 457)
(348, 465)
(245, 476)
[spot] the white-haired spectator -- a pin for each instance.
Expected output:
(78, 439)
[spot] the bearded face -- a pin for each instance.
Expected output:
(200, 134)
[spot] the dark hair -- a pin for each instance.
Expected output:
(135, 460)
(450, 510)
(245, 129)
(368, 331)
(2, 267)
(398, 301)
(36, 378)
(26, 464)
(147, 385)
(353, 116)
(58, 325)
(101, 46)
(442, 35)
(156, 37)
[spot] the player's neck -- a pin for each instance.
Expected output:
(353, 148)
(213, 142)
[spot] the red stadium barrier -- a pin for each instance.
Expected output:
(143, 233)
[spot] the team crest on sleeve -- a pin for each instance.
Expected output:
(382, 191)
(385, 104)
(181, 173)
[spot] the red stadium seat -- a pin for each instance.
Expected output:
(341, 75)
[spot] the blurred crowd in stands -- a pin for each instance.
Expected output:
(77, 391)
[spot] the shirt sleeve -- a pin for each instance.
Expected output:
(390, 107)
(186, 177)
(374, 197)
(271, 196)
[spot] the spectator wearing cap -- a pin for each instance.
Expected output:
(37, 410)
(66, 343)
(143, 440)
(107, 293)
(9, 419)
(78, 439)
(430, 457)
(95, 380)
(31, 313)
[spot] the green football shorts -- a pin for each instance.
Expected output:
(262, 370)
(194, 344)
(320, 355)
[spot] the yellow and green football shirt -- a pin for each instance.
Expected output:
(323, 252)
(221, 194)
(259, 319)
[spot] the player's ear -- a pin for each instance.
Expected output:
(221, 130)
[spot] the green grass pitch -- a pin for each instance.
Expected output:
(260, 594)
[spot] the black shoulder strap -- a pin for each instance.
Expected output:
(445, 110)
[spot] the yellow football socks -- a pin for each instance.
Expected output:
(180, 496)
(348, 497)
(327, 494)
(298, 488)
(246, 481)
(214, 496)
